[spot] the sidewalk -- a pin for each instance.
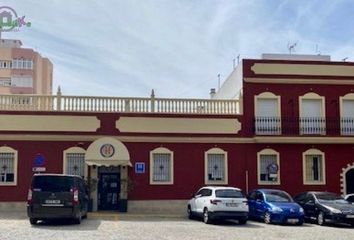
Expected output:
(105, 215)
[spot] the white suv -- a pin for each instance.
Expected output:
(218, 203)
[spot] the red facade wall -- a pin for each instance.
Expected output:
(189, 167)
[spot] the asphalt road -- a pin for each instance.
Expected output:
(16, 226)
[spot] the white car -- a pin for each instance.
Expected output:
(350, 198)
(218, 203)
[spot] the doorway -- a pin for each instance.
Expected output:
(349, 179)
(108, 188)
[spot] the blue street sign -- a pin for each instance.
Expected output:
(140, 167)
(39, 160)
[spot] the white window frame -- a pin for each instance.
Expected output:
(314, 151)
(216, 182)
(73, 150)
(161, 150)
(5, 149)
(347, 97)
(312, 96)
(267, 96)
(267, 151)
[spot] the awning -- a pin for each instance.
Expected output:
(108, 163)
(107, 151)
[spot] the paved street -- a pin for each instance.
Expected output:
(16, 226)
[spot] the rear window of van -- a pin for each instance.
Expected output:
(52, 183)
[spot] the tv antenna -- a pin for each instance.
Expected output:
(344, 59)
(291, 47)
(234, 61)
(219, 81)
(317, 51)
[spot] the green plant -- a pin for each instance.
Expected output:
(92, 184)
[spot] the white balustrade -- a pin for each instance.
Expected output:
(116, 104)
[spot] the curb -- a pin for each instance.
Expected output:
(131, 216)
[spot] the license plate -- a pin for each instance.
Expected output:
(293, 220)
(231, 204)
(350, 216)
(51, 201)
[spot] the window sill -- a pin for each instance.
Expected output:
(161, 183)
(8, 184)
(314, 183)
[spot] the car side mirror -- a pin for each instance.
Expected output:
(310, 202)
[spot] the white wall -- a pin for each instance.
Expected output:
(230, 89)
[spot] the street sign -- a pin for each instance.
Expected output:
(139, 167)
(38, 163)
(38, 169)
(39, 160)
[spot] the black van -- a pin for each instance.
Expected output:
(54, 196)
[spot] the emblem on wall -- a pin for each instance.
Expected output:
(107, 150)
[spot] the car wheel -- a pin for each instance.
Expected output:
(78, 219)
(33, 221)
(267, 218)
(242, 221)
(321, 219)
(189, 212)
(300, 222)
(206, 216)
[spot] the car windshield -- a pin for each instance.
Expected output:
(228, 193)
(52, 183)
(277, 196)
(329, 197)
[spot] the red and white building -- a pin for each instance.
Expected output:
(282, 121)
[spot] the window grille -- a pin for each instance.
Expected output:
(313, 168)
(216, 167)
(265, 161)
(161, 167)
(7, 168)
(75, 164)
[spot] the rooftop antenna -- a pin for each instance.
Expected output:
(291, 47)
(317, 51)
(234, 63)
(219, 81)
(344, 59)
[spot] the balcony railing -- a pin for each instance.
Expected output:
(312, 126)
(116, 104)
(307, 126)
(268, 125)
(347, 126)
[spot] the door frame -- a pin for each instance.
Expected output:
(99, 174)
(343, 181)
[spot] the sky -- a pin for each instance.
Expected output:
(125, 48)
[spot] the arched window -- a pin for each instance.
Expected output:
(347, 114)
(8, 166)
(268, 165)
(267, 114)
(161, 166)
(312, 114)
(74, 161)
(216, 169)
(314, 171)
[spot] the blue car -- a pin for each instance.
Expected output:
(274, 206)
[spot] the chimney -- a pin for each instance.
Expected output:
(212, 93)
